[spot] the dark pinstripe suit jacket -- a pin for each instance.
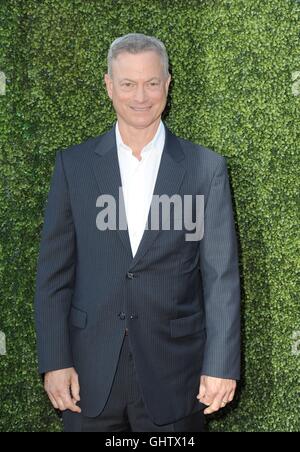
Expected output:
(179, 299)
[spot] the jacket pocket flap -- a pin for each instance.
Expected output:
(185, 326)
(78, 318)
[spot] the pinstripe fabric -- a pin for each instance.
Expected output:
(125, 410)
(179, 300)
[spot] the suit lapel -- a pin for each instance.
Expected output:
(169, 179)
(107, 172)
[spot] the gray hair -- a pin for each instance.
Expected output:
(137, 43)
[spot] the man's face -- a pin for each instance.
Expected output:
(138, 88)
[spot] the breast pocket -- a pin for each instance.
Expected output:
(186, 326)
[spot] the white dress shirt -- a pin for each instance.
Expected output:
(138, 181)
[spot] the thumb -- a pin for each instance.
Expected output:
(75, 389)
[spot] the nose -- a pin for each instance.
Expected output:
(140, 94)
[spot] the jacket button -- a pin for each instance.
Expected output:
(133, 316)
(122, 315)
(130, 275)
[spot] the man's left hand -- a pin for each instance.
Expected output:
(216, 393)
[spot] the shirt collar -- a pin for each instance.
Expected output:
(156, 143)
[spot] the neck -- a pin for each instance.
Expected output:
(135, 138)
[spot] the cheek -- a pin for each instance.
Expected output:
(159, 98)
(121, 98)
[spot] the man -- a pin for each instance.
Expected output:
(138, 329)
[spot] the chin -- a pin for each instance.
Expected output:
(142, 122)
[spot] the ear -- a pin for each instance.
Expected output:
(167, 83)
(109, 85)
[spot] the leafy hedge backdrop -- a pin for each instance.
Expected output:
(235, 89)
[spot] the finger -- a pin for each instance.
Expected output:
(231, 396)
(53, 401)
(204, 401)
(214, 407)
(75, 389)
(75, 408)
(63, 399)
(207, 400)
(225, 399)
(69, 404)
(60, 403)
(202, 391)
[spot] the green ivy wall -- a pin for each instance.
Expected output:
(236, 89)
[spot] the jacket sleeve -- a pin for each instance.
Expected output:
(55, 276)
(220, 281)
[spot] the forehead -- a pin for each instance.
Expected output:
(137, 65)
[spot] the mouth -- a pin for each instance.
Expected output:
(140, 109)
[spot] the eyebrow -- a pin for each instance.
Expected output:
(128, 79)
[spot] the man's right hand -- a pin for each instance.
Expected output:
(62, 387)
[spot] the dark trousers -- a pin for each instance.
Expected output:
(125, 410)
